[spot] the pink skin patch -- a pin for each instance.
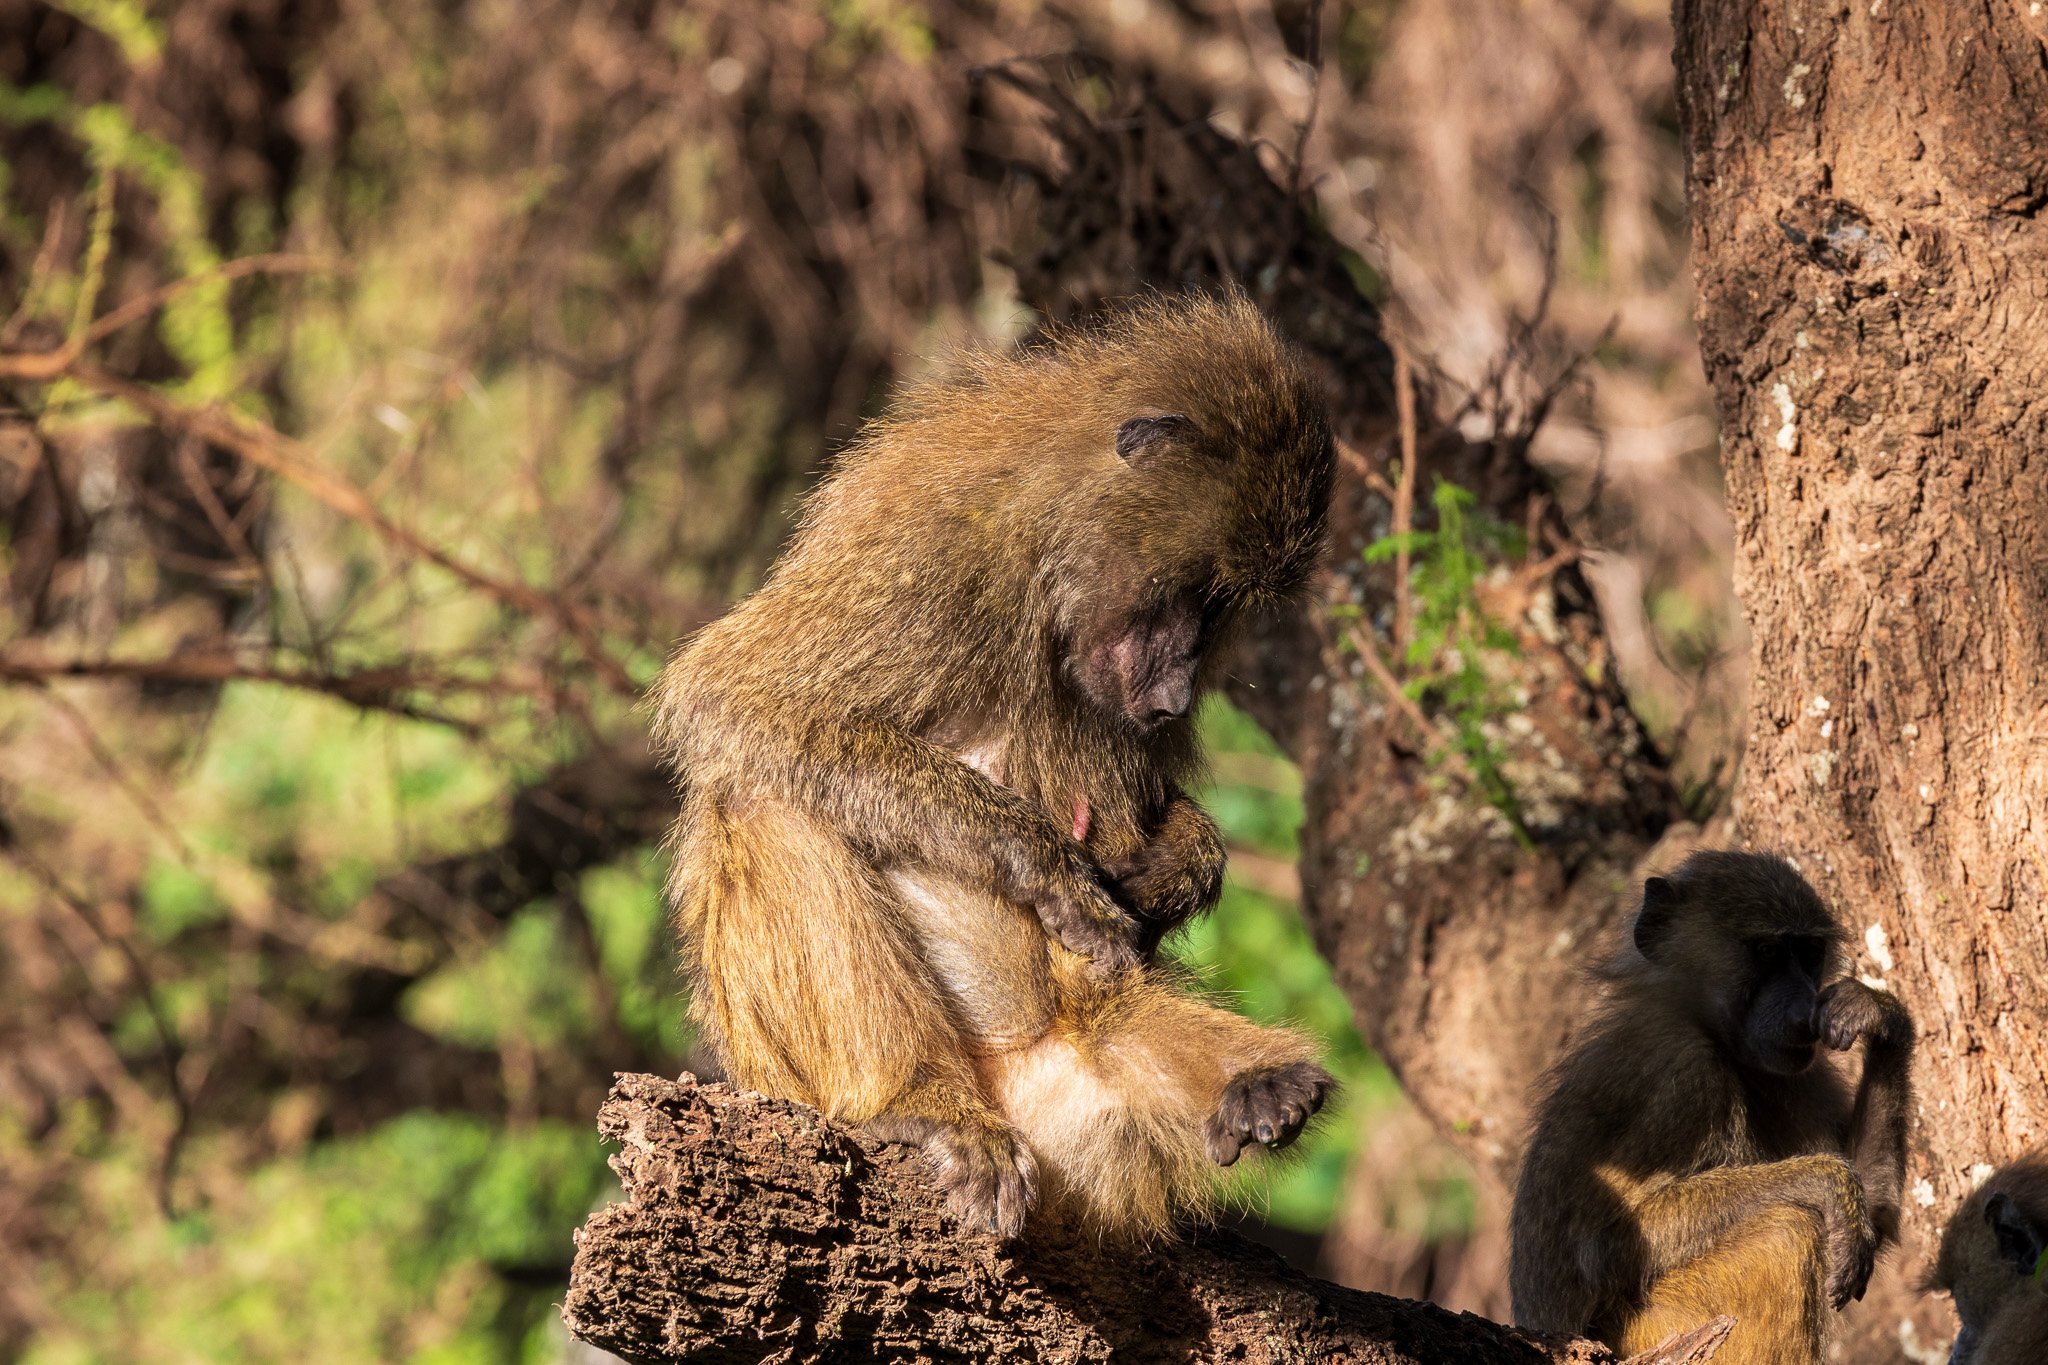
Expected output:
(1081, 819)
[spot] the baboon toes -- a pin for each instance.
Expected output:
(989, 1177)
(1268, 1106)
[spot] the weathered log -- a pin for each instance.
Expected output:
(754, 1229)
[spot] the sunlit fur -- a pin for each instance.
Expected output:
(1673, 1176)
(845, 936)
(2003, 1305)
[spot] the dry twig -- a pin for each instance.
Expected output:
(1404, 497)
(270, 449)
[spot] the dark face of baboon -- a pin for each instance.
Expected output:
(1691, 1157)
(1203, 515)
(1991, 1263)
(1747, 943)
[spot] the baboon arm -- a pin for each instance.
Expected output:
(907, 802)
(1684, 1219)
(1877, 1129)
(1176, 874)
(910, 801)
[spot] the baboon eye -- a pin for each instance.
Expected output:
(1140, 434)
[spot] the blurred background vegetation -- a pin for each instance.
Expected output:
(385, 387)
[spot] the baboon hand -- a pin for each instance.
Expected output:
(1075, 908)
(1847, 1010)
(1165, 888)
(1086, 921)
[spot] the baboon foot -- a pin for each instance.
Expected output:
(988, 1175)
(1268, 1106)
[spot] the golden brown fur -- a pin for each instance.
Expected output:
(933, 769)
(1992, 1264)
(1694, 1156)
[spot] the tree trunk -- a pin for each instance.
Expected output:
(753, 1229)
(1867, 184)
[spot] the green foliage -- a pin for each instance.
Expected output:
(1445, 664)
(636, 948)
(297, 780)
(195, 325)
(515, 992)
(389, 1246)
(177, 898)
(1255, 952)
(520, 991)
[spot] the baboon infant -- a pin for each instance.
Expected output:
(1695, 1155)
(1994, 1264)
(934, 818)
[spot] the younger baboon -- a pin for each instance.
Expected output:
(933, 771)
(1694, 1156)
(1994, 1264)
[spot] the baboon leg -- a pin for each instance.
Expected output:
(1768, 1275)
(810, 983)
(1123, 1100)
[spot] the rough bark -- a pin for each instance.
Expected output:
(753, 1229)
(1867, 184)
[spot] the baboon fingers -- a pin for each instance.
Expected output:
(1104, 935)
(1847, 1010)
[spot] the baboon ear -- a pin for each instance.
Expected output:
(1140, 434)
(2020, 1238)
(1653, 921)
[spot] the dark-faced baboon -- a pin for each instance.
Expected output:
(1695, 1154)
(934, 769)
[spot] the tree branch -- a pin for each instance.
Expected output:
(290, 459)
(40, 367)
(754, 1229)
(377, 687)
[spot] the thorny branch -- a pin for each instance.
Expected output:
(270, 449)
